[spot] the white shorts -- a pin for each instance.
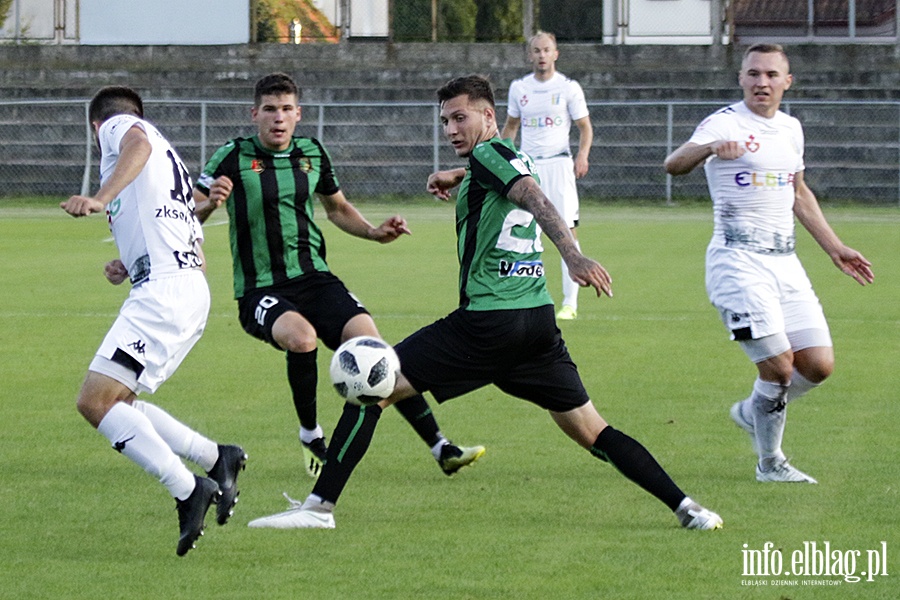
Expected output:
(157, 326)
(558, 184)
(758, 295)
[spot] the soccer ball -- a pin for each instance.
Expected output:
(364, 370)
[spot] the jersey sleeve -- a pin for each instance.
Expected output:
(577, 105)
(214, 167)
(799, 143)
(497, 167)
(328, 183)
(512, 102)
(713, 128)
(114, 129)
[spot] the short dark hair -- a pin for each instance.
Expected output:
(115, 100)
(275, 84)
(476, 87)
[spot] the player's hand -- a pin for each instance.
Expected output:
(588, 272)
(220, 190)
(440, 183)
(115, 271)
(581, 167)
(81, 206)
(728, 150)
(854, 264)
(390, 230)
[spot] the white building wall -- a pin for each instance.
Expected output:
(657, 21)
(165, 22)
(369, 18)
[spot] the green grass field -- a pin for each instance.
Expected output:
(536, 518)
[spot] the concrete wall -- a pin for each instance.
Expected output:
(852, 149)
(382, 71)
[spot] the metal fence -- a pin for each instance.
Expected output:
(852, 148)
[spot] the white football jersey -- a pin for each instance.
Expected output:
(152, 220)
(546, 109)
(753, 196)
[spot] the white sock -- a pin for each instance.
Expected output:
(132, 434)
(315, 502)
(308, 435)
(436, 449)
(569, 287)
(184, 441)
(800, 385)
(769, 415)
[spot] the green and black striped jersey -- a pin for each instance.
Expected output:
(499, 244)
(270, 212)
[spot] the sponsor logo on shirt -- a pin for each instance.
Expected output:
(519, 165)
(257, 166)
(753, 179)
(751, 144)
(522, 268)
(166, 212)
(541, 122)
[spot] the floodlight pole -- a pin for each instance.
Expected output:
(716, 12)
(89, 138)
(527, 19)
(345, 20)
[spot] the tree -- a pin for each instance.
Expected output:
(499, 21)
(456, 20)
(4, 10)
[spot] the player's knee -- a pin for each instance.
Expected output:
(84, 407)
(295, 339)
(815, 364)
(777, 369)
(299, 344)
(92, 408)
(818, 371)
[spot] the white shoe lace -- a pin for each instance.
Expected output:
(293, 503)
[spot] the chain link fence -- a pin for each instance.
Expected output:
(389, 149)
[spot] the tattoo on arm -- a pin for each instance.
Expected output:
(527, 194)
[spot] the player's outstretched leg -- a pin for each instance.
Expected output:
(349, 443)
(637, 464)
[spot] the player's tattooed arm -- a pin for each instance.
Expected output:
(526, 193)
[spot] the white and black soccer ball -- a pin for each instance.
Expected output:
(364, 370)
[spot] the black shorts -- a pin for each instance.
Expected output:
(320, 297)
(520, 351)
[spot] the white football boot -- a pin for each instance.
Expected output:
(296, 517)
(693, 516)
(783, 472)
